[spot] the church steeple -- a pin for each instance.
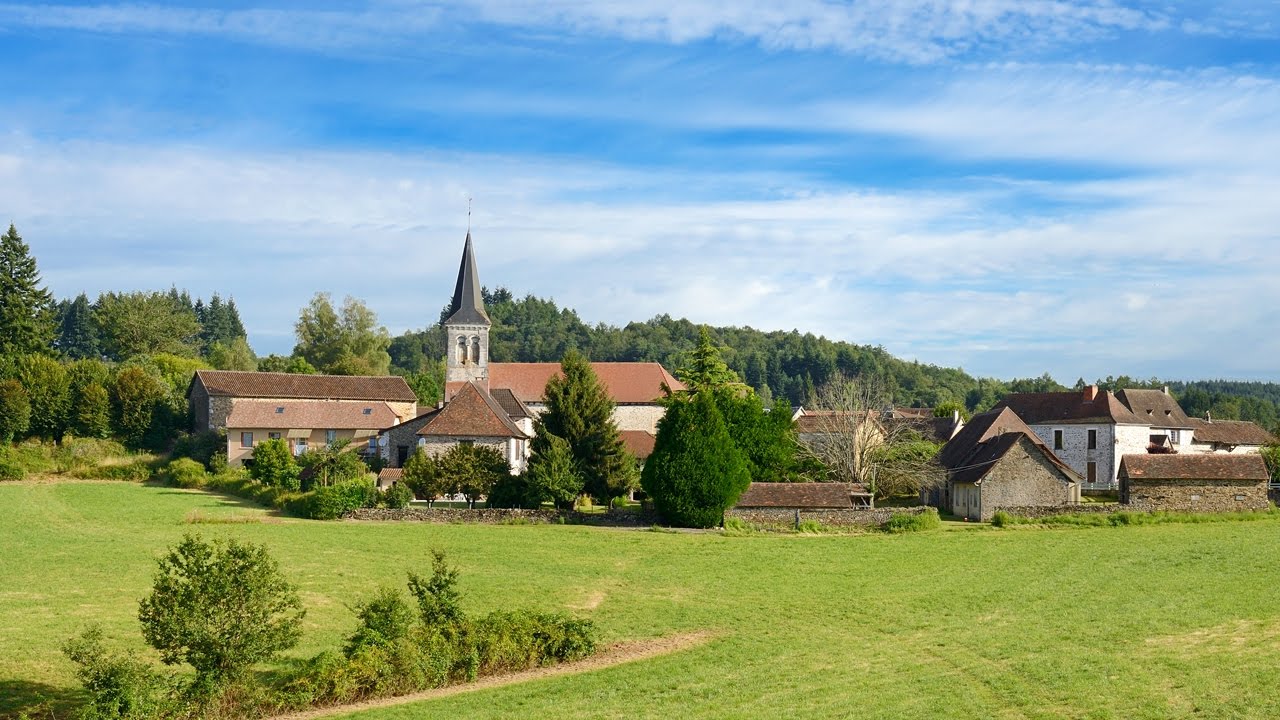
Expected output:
(468, 303)
(467, 329)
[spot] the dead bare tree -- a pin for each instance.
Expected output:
(855, 434)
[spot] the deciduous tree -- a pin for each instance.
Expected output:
(49, 389)
(350, 343)
(141, 323)
(15, 410)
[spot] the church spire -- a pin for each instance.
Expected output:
(468, 304)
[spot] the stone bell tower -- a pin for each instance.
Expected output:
(467, 329)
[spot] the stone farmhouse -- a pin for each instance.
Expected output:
(1232, 437)
(997, 461)
(495, 403)
(1199, 483)
(308, 411)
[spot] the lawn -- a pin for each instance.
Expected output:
(1152, 621)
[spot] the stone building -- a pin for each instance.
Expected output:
(1231, 437)
(997, 461)
(1198, 482)
(309, 411)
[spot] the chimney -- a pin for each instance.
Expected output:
(1165, 389)
(1208, 416)
(1090, 393)
(955, 416)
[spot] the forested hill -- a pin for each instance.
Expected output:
(786, 366)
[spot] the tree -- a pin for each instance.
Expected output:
(472, 469)
(949, 408)
(273, 465)
(580, 411)
(91, 412)
(278, 363)
(136, 396)
(77, 333)
(348, 344)
(695, 472)
(15, 410)
(26, 308)
(234, 354)
(766, 439)
(220, 607)
(140, 323)
(49, 390)
(551, 476)
(855, 442)
(219, 322)
(705, 369)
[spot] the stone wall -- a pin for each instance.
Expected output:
(198, 400)
(1199, 495)
(786, 517)
(1024, 477)
(1077, 454)
(507, 516)
(1040, 511)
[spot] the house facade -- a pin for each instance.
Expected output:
(1194, 483)
(1229, 437)
(307, 411)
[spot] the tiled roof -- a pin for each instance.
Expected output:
(627, 382)
(516, 410)
(1155, 407)
(985, 439)
(1068, 408)
(639, 442)
(1229, 432)
(311, 414)
(472, 413)
(241, 384)
(386, 476)
(1207, 466)
(799, 495)
(813, 422)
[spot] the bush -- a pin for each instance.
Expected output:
(397, 496)
(118, 686)
(334, 501)
(385, 619)
(273, 465)
(10, 469)
(15, 410)
(438, 596)
(79, 453)
(185, 473)
(201, 446)
(138, 470)
(907, 522)
(218, 462)
(1001, 519)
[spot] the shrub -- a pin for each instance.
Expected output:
(1001, 519)
(186, 473)
(10, 469)
(907, 522)
(334, 501)
(385, 619)
(218, 462)
(201, 446)
(86, 452)
(138, 470)
(437, 597)
(273, 465)
(397, 496)
(220, 607)
(118, 686)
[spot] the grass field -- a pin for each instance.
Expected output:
(1159, 621)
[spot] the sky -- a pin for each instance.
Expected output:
(1014, 187)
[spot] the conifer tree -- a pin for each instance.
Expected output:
(77, 334)
(580, 411)
(552, 476)
(705, 369)
(26, 308)
(695, 472)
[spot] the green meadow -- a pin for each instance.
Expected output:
(966, 622)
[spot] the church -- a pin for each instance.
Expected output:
(494, 404)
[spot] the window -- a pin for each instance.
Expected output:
(273, 436)
(1093, 439)
(1240, 498)
(1091, 471)
(300, 446)
(368, 411)
(462, 350)
(279, 409)
(246, 439)
(330, 436)
(475, 350)
(1175, 436)
(1057, 439)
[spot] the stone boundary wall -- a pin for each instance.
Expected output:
(506, 516)
(1040, 511)
(786, 517)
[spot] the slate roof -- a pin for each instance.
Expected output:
(1069, 407)
(985, 440)
(639, 442)
(1230, 432)
(244, 384)
(1155, 407)
(467, 307)
(472, 413)
(800, 495)
(1207, 466)
(627, 382)
(311, 414)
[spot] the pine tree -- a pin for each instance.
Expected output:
(695, 472)
(77, 333)
(26, 308)
(705, 369)
(580, 411)
(552, 476)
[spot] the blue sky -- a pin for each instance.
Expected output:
(1010, 186)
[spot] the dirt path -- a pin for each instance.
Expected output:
(616, 654)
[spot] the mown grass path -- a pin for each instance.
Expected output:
(1160, 621)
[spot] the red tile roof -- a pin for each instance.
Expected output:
(1194, 467)
(1230, 432)
(241, 384)
(311, 414)
(800, 495)
(472, 413)
(638, 442)
(627, 382)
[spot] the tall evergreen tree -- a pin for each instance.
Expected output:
(580, 411)
(695, 472)
(705, 369)
(77, 334)
(26, 308)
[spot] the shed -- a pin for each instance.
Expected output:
(1200, 483)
